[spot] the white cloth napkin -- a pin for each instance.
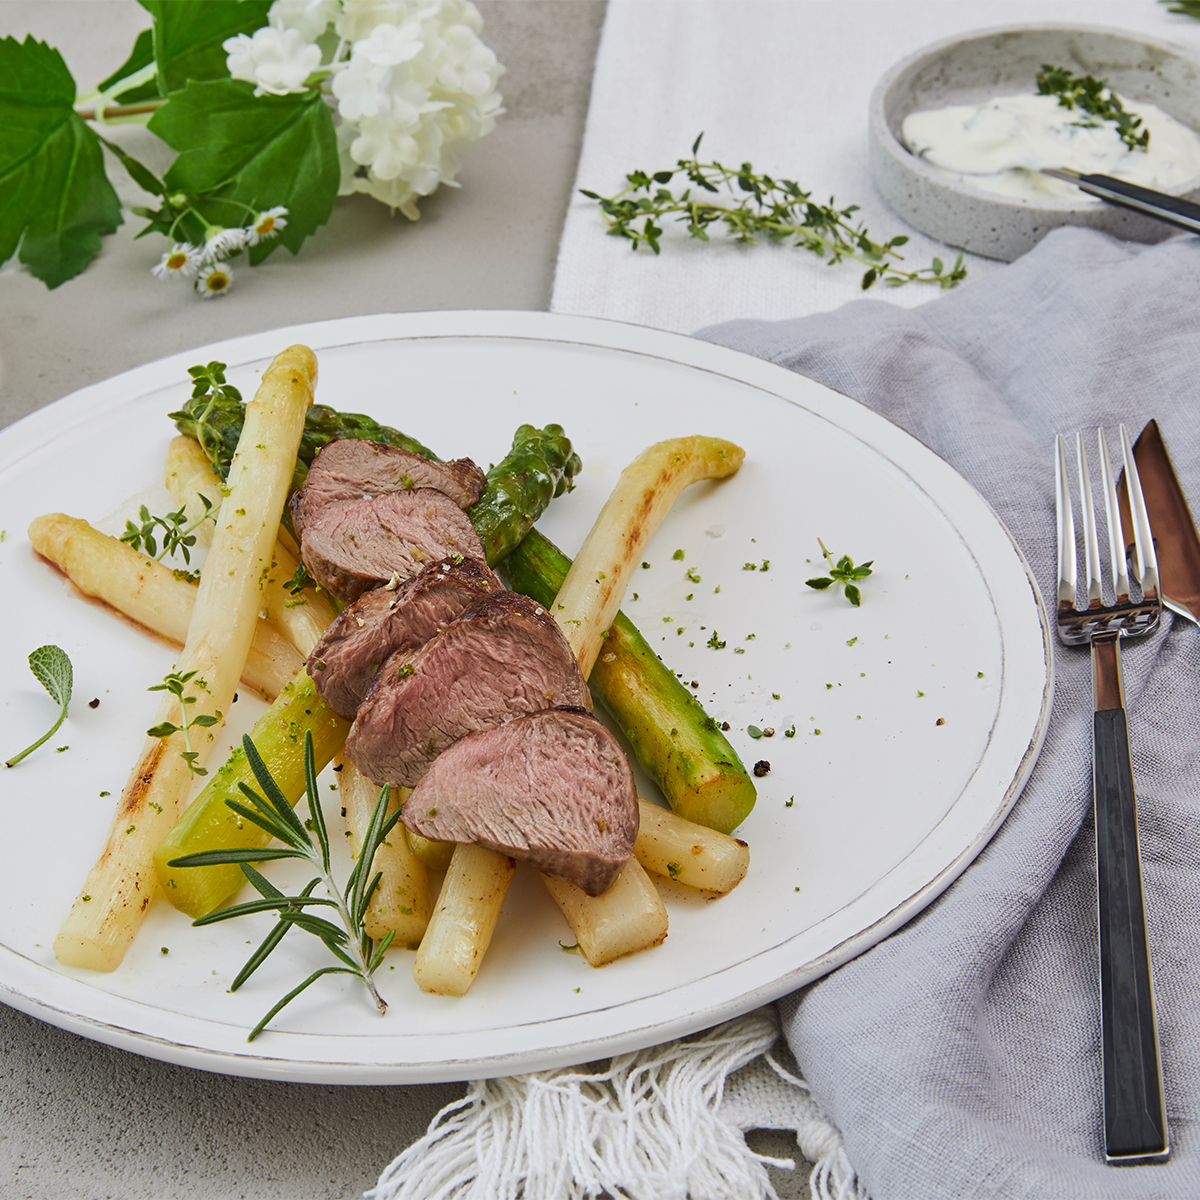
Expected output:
(784, 85)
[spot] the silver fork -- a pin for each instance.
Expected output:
(1135, 1125)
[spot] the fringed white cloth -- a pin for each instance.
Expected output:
(661, 1124)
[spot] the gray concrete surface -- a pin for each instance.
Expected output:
(82, 1121)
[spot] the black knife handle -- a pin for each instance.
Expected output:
(1135, 1124)
(1174, 210)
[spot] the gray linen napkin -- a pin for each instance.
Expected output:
(960, 1057)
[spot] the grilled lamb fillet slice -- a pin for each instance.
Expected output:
(354, 545)
(502, 658)
(351, 468)
(553, 788)
(344, 662)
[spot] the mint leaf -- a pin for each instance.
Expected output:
(237, 149)
(188, 35)
(55, 199)
(52, 669)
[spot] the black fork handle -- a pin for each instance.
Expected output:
(1135, 1123)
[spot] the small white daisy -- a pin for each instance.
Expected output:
(182, 261)
(266, 225)
(222, 243)
(215, 280)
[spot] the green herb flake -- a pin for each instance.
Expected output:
(678, 556)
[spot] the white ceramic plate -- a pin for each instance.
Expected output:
(917, 717)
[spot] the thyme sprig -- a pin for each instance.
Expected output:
(842, 573)
(178, 537)
(356, 953)
(176, 683)
(1097, 99)
(750, 205)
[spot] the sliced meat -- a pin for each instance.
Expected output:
(502, 658)
(553, 788)
(345, 661)
(351, 468)
(352, 546)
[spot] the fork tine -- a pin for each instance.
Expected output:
(1116, 537)
(1143, 539)
(1066, 527)
(1091, 543)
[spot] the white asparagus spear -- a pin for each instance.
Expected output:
(109, 908)
(631, 915)
(303, 618)
(145, 591)
(402, 902)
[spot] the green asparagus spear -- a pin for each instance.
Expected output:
(679, 744)
(215, 421)
(209, 824)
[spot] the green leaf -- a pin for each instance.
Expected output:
(52, 669)
(238, 149)
(55, 199)
(188, 36)
(820, 584)
(142, 176)
(142, 55)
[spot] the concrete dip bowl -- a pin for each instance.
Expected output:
(999, 62)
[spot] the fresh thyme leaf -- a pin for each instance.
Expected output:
(300, 580)
(52, 669)
(1095, 98)
(842, 573)
(749, 205)
(355, 951)
(176, 683)
(1189, 8)
(177, 535)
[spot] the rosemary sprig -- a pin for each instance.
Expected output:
(843, 573)
(750, 205)
(176, 683)
(356, 953)
(1088, 95)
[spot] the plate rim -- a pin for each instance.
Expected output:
(44, 424)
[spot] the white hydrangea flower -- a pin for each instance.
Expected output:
(359, 17)
(416, 94)
(276, 61)
(310, 18)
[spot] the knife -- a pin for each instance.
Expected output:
(1174, 210)
(1175, 537)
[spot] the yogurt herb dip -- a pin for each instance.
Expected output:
(1001, 145)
